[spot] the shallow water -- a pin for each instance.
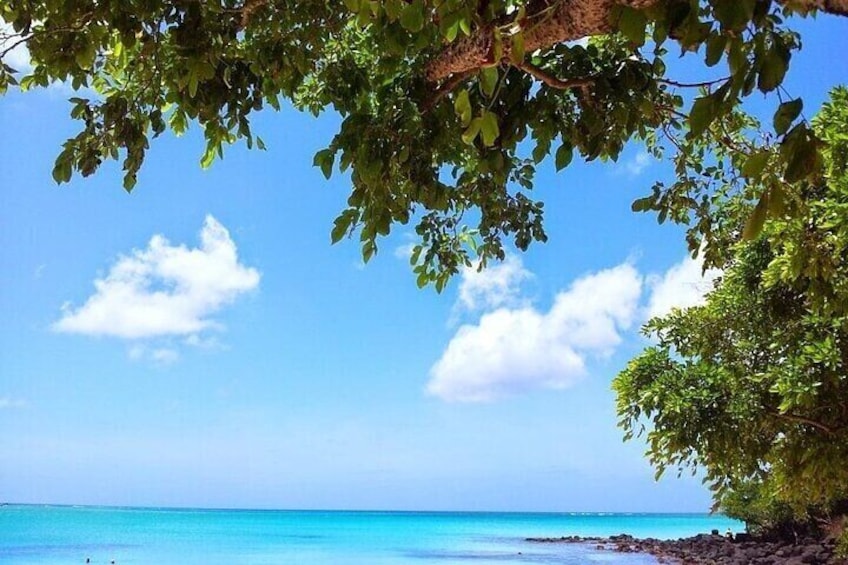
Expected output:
(62, 534)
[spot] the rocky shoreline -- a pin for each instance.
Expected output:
(713, 549)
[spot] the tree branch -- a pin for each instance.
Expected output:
(247, 10)
(692, 84)
(446, 88)
(553, 81)
(563, 20)
(835, 7)
(558, 21)
(803, 420)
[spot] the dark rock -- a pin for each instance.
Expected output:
(709, 549)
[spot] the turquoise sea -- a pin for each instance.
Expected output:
(64, 534)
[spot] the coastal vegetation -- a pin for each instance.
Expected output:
(752, 386)
(447, 109)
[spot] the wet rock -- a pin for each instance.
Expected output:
(713, 549)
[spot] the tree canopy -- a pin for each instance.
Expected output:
(753, 385)
(448, 106)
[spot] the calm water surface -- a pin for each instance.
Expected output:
(61, 534)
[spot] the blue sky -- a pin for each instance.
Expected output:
(200, 342)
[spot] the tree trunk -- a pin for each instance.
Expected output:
(569, 20)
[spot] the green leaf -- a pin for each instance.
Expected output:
(393, 8)
(786, 114)
(773, 69)
(497, 48)
(462, 106)
(465, 26)
(755, 164)
(416, 254)
(564, 155)
(642, 204)
(470, 133)
(702, 115)
(488, 81)
(715, 49)
(517, 53)
(27, 82)
(324, 159)
(412, 17)
(632, 24)
(440, 283)
(340, 227)
(192, 84)
(754, 225)
(489, 128)
(803, 161)
(62, 170)
(208, 156)
(129, 182)
(368, 250)
(734, 15)
(452, 31)
(540, 152)
(777, 201)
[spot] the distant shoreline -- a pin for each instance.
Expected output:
(712, 549)
(178, 508)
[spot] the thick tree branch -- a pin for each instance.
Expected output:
(836, 7)
(557, 21)
(564, 20)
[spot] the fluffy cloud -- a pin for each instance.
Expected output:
(164, 290)
(683, 285)
(497, 285)
(157, 355)
(635, 165)
(8, 402)
(18, 57)
(638, 164)
(511, 350)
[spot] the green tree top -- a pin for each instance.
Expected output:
(448, 106)
(753, 385)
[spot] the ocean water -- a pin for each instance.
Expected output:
(62, 534)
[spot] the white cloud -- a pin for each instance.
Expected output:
(136, 352)
(164, 290)
(18, 58)
(157, 355)
(497, 285)
(208, 343)
(164, 355)
(637, 164)
(515, 350)
(683, 285)
(8, 402)
(404, 251)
